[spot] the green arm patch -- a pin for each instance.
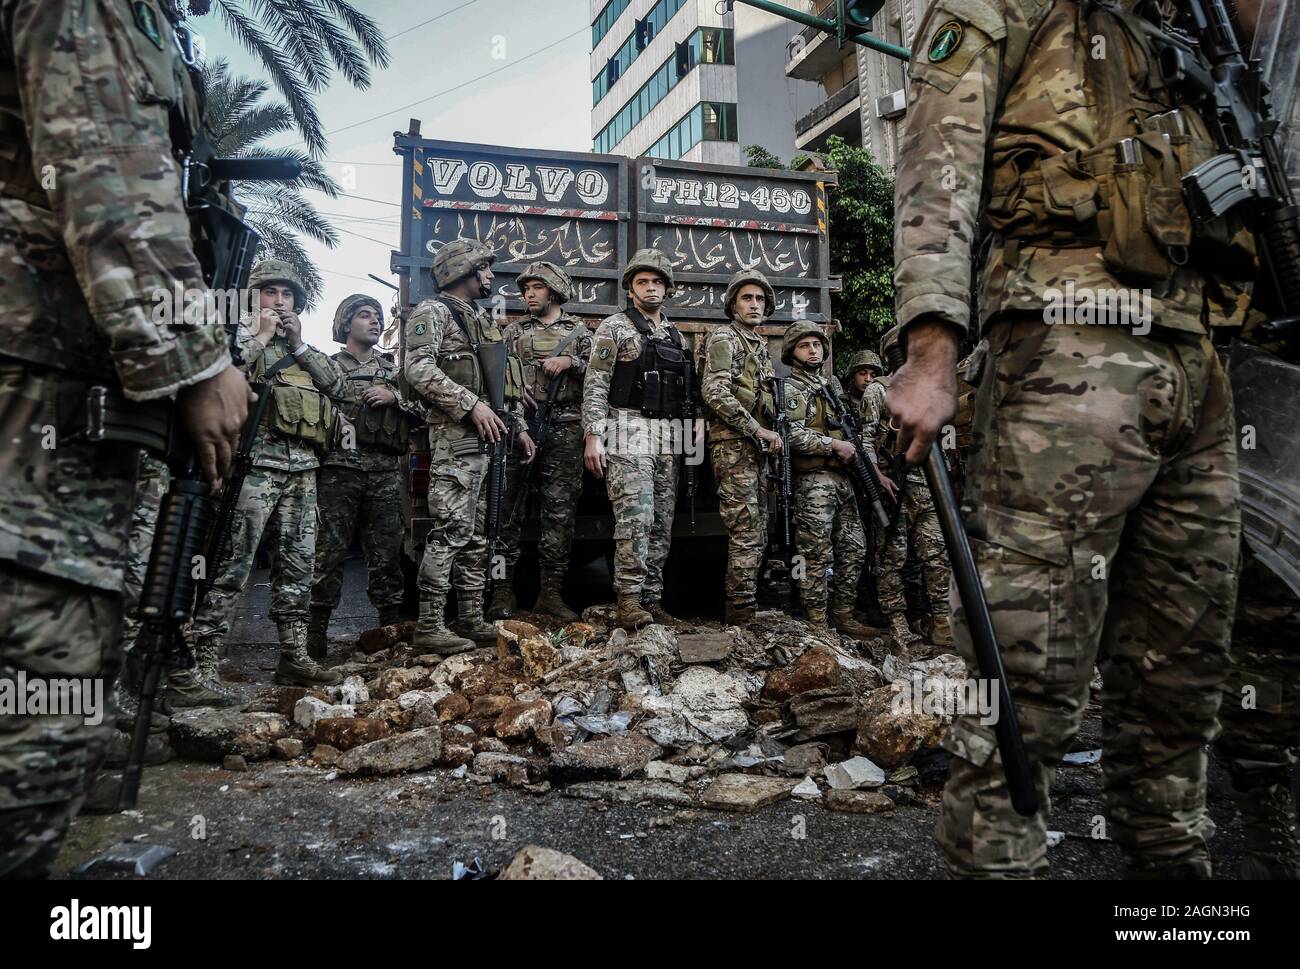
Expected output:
(945, 41)
(604, 354)
(720, 355)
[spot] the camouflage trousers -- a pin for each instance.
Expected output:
(828, 534)
(560, 467)
(281, 504)
(916, 524)
(1261, 698)
(348, 500)
(455, 548)
(150, 487)
(643, 490)
(740, 471)
(50, 629)
(1106, 525)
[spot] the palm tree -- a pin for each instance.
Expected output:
(240, 122)
(301, 43)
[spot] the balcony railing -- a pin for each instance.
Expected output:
(827, 108)
(805, 38)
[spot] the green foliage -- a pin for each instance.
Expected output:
(861, 210)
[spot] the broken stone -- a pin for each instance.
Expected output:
(234, 762)
(287, 748)
(902, 795)
(555, 736)
(353, 691)
(205, 733)
(703, 706)
(452, 707)
(802, 758)
(745, 792)
(520, 721)
(396, 680)
(392, 755)
(816, 669)
(539, 656)
(325, 755)
(344, 733)
(373, 640)
(309, 709)
(533, 863)
(629, 792)
(806, 790)
(890, 735)
(284, 698)
(508, 768)
(490, 745)
(818, 713)
(489, 706)
(509, 634)
(858, 802)
(661, 770)
(456, 755)
(610, 758)
(705, 647)
(854, 773)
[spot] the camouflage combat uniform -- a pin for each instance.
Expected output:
(828, 528)
(91, 226)
(915, 525)
(1083, 434)
(736, 390)
(560, 456)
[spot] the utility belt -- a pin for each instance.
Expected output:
(110, 418)
(1126, 198)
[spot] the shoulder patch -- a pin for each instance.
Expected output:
(946, 40)
(419, 329)
(146, 19)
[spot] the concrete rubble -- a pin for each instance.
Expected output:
(694, 716)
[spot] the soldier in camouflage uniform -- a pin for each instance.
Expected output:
(359, 485)
(279, 493)
(915, 524)
(553, 347)
(92, 225)
(864, 367)
(828, 527)
(737, 392)
(443, 370)
(1083, 434)
(640, 459)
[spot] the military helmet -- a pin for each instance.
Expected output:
(796, 332)
(278, 271)
(861, 361)
(889, 341)
(554, 278)
(747, 277)
(348, 309)
(649, 261)
(458, 259)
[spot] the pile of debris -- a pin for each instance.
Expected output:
(693, 715)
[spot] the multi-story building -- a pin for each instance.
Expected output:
(687, 79)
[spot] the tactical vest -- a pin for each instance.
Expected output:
(1123, 195)
(537, 343)
(297, 409)
(656, 382)
(752, 391)
(463, 367)
(815, 413)
(381, 428)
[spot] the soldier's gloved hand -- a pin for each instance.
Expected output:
(556, 365)
(843, 450)
(486, 423)
(379, 397)
(594, 457)
(212, 412)
(771, 440)
(922, 395)
(527, 446)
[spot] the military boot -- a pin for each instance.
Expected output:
(550, 601)
(739, 613)
(432, 634)
(658, 613)
(503, 604)
(317, 627)
(1272, 851)
(470, 622)
(296, 667)
(198, 687)
(629, 613)
(846, 624)
(817, 616)
(390, 615)
(941, 631)
(900, 630)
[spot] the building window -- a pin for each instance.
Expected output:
(707, 121)
(656, 19)
(605, 20)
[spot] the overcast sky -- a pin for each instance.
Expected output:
(541, 101)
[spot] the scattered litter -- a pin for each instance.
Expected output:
(137, 858)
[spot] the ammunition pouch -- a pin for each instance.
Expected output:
(536, 346)
(297, 409)
(379, 428)
(817, 421)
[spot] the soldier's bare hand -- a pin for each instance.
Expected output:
(268, 323)
(530, 401)
(771, 440)
(212, 412)
(553, 366)
(486, 423)
(292, 327)
(527, 446)
(843, 450)
(379, 397)
(922, 395)
(594, 456)
(888, 485)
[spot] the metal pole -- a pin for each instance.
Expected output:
(830, 27)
